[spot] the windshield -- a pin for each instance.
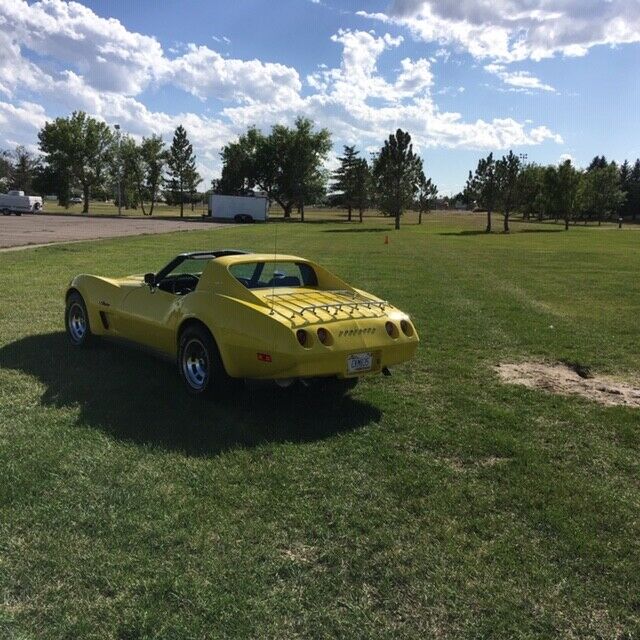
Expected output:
(189, 266)
(259, 275)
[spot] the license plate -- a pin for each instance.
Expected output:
(359, 362)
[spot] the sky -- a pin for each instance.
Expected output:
(547, 78)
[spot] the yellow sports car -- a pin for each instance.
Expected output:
(229, 315)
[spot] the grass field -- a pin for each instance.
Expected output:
(438, 503)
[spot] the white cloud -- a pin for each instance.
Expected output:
(515, 30)
(522, 80)
(101, 67)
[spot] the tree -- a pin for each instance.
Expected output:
(507, 172)
(482, 187)
(599, 193)
(397, 173)
(182, 165)
(131, 164)
(625, 187)
(633, 197)
(568, 181)
(598, 162)
(362, 185)
(531, 190)
(286, 164)
(192, 180)
(345, 179)
(155, 157)
(24, 169)
(6, 169)
(78, 148)
(427, 192)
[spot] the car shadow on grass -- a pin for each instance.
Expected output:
(137, 397)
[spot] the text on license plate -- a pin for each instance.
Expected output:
(359, 362)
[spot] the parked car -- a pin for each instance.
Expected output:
(76, 200)
(229, 315)
(17, 203)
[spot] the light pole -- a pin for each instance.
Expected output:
(117, 128)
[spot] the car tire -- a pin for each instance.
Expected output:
(200, 365)
(76, 321)
(6, 212)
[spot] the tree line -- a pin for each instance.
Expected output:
(80, 154)
(287, 164)
(603, 191)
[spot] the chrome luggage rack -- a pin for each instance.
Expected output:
(352, 301)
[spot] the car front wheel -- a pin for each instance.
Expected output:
(77, 321)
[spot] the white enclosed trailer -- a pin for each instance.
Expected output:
(238, 208)
(16, 202)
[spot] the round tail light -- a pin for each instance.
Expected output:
(325, 337)
(391, 329)
(406, 327)
(303, 337)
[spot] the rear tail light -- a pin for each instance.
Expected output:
(303, 337)
(325, 337)
(406, 327)
(391, 329)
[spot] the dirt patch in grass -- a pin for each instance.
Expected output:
(567, 379)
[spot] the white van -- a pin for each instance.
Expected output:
(16, 202)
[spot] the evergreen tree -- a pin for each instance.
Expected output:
(633, 197)
(182, 165)
(507, 172)
(362, 186)
(482, 187)
(345, 179)
(625, 187)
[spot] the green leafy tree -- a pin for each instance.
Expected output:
(193, 179)
(78, 147)
(482, 187)
(507, 173)
(154, 156)
(531, 190)
(286, 164)
(397, 174)
(567, 183)
(6, 169)
(599, 193)
(182, 166)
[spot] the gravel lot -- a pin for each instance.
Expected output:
(37, 230)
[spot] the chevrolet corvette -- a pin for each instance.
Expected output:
(228, 315)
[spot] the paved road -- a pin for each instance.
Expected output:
(37, 230)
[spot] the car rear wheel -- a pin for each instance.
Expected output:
(77, 321)
(200, 365)
(6, 212)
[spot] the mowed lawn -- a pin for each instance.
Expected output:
(438, 503)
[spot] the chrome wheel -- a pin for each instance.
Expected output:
(195, 364)
(77, 322)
